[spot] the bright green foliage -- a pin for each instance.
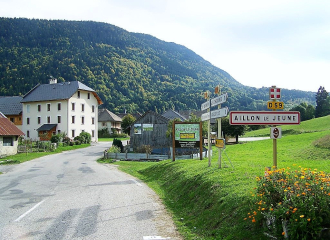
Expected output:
(126, 122)
(322, 103)
(298, 199)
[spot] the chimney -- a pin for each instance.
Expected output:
(52, 80)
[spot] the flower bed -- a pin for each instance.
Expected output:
(292, 204)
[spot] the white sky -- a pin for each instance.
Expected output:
(258, 42)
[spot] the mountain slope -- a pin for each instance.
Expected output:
(131, 71)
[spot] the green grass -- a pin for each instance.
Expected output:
(110, 139)
(314, 125)
(211, 203)
(23, 157)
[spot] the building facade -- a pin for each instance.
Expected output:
(68, 107)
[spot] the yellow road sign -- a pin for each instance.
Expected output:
(220, 143)
(275, 105)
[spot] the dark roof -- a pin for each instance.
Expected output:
(135, 115)
(46, 127)
(171, 114)
(7, 128)
(158, 118)
(57, 91)
(11, 105)
(106, 116)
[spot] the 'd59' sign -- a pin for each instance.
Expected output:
(275, 105)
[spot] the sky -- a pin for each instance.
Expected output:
(259, 43)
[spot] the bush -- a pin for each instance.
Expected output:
(299, 200)
(118, 135)
(144, 149)
(118, 143)
(114, 149)
(55, 139)
(85, 137)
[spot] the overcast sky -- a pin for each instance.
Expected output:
(258, 42)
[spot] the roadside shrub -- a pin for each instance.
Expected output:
(104, 133)
(118, 143)
(71, 143)
(144, 149)
(292, 203)
(55, 139)
(118, 135)
(114, 149)
(85, 137)
(66, 140)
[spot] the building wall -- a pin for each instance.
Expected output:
(30, 111)
(8, 150)
(156, 137)
(16, 119)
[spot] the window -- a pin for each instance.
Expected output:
(28, 133)
(58, 119)
(58, 131)
(78, 94)
(39, 120)
(104, 124)
(93, 108)
(82, 107)
(59, 106)
(88, 96)
(48, 107)
(73, 133)
(93, 133)
(82, 120)
(8, 141)
(73, 106)
(27, 121)
(48, 119)
(28, 108)
(92, 120)
(73, 118)
(12, 119)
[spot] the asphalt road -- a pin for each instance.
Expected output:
(71, 196)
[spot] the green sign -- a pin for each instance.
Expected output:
(187, 135)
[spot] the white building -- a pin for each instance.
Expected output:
(69, 107)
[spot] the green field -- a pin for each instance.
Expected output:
(211, 203)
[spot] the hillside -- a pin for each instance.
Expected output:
(131, 71)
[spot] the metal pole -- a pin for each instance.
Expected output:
(209, 134)
(219, 130)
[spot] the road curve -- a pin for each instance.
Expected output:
(71, 196)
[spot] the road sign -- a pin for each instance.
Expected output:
(222, 112)
(215, 101)
(274, 93)
(275, 105)
(219, 100)
(264, 118)
(205, 105)
(220, 143)
(275, 132)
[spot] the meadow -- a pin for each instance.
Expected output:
(212, 202)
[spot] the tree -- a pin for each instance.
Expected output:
(307, 112)
(127, 121)
(322, 103)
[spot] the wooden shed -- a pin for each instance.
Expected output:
(150, 129)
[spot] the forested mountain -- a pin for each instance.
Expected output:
(131, 71)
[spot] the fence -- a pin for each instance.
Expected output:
(147, 157)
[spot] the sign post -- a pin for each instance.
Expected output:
(218, 114)
(268, 118)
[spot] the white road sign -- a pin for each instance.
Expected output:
(214, 102)
(264, 118)
(205, 105)
(222, 112)
(218, 100)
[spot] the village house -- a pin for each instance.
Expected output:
(9, 134)
(11, 107)
(66, 107)
(109, 121)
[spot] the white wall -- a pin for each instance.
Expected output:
(8, 150)
(30, 110)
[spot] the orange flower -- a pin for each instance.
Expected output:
(253, 220)
(308, 219)
(283, 233)
(302, 216)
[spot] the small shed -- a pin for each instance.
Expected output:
(150, 129)
(9, 134)
(46, 131)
